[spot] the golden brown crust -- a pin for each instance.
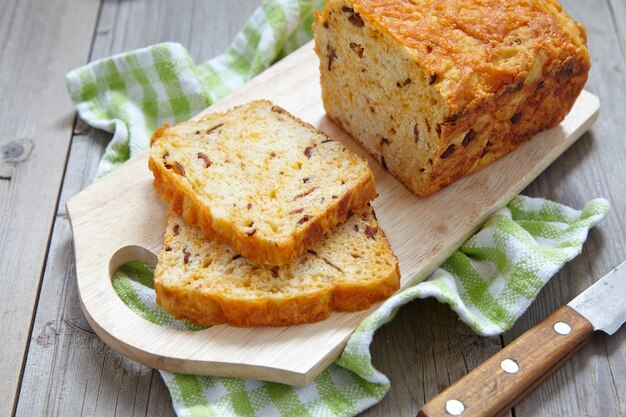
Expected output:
(209, 303)
(542, 105)
(477, 48)
(492, 74)
(185, 202)
(212, 308)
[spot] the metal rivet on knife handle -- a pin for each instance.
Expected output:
(562, 328)
(492, 388)
(509, 366)
(488, 391)
(454, 407)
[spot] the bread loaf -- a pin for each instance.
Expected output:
(206, 281)
(259, 179)
(437, 89)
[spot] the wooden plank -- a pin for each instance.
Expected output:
(7, 14)
(618, 13)
(40, 42)
(69, 370)
(68, 367)
(205, 28)
(590, 383)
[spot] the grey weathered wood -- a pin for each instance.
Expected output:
(39, 43)
(423, 351)
(618, 10)
(7, 13)
(205, 28)
(69, 370)
(591, 383)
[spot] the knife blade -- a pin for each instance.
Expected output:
(604, 303)
(495, 386)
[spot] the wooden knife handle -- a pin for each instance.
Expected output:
(495, 386)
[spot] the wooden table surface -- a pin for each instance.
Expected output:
(54, 364)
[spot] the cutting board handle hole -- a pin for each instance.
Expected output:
(130, 253)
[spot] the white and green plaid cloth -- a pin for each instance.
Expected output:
(490, 281)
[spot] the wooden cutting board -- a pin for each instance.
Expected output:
(120, 218)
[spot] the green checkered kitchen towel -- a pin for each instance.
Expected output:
(490, 281)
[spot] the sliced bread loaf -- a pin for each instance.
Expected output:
(206, 281)
(436, 90)
(260, 179)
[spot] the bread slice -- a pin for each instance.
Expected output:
(260, 179)
(205, 281)
(435, 90)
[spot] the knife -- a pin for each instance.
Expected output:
(495, 386)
